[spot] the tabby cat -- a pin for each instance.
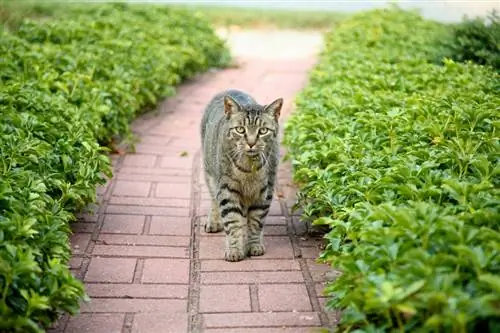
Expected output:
(240, 154)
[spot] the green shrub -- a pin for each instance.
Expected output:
(66, 84)
(400, 157)
(478, 40)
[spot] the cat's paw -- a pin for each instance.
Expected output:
(256, 250)
(213, 227)
(234, 254)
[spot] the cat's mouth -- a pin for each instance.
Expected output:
(252, 152)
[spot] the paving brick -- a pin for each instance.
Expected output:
(181, 174)
(131, 189)
(147, 210)
(140, 251)
(79, 243)
(110, 270)
(124, 224)
(275, 208)
(75, 262)
(275, 230)
(284, 297)
(169, 225)
(161, 202)
(251, 277)
(276, 247)
(140, 160)
(275, 220)
(261, 319)
(165, 271)
(177, 161)
(127, 290)
(321, 272)
(250, 264)
(154, 178)
(96, 323)
(267, 330)
(225, 298)
(156, 139)
(309, 252)
(108, 239)
(121, 305)
(170, 190)
(160, 322)
(320, 287)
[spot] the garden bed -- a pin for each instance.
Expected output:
(397, 150)
(70, 84)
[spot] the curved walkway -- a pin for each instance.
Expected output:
(147, 264)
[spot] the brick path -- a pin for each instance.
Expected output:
(147, 264)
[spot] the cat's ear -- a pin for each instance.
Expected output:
(230, 106)
(275, 108)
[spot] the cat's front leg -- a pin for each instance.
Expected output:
(256, 216)
(234, 221)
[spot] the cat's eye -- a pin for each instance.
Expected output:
(240, 129)
(263, 130)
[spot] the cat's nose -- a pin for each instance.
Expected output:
(250, 145)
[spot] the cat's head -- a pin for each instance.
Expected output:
(252, 129)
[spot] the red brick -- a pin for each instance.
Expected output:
(75, 262)
(275, 209)
(171, 190)
(131, 189)
(160, 322)
(122, 290)
(155, 139)
(139, 160)
(320, 287)
(250, 264)
(153, 177)
(101, 189)
(141, 251)
(79, 243)
(267, 330)
(168, 225)
(124, 224)
(120, 305)
(175, 241)
(96, 323)
(181, 174)
(251, 277)
(225, 298)
(284, 297)
(276, 247)
(147, 210)
(111, 270)
(166, 202)
(164, 150)
(321, 272)
(275, 230)
(274, 220)
(177, 161)
(165, 271)
(309, 252)
(261, 319)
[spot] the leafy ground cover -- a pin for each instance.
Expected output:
(477, 40)
(399, 156)
(69, 84)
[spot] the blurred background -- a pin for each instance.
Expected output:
(442, 10)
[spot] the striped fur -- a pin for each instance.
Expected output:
(240, 156)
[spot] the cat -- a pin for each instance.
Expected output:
(240, 158)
